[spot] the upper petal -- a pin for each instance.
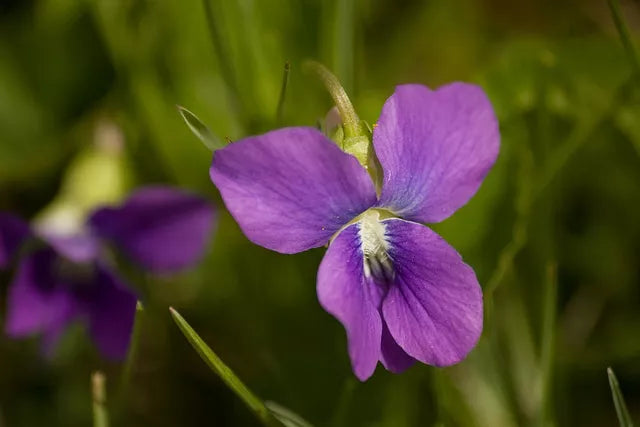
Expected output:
(111, 308)
(435, 148)
(345, 293)
(291, 189)
(434, 306)
(13, 232)
(160, 228)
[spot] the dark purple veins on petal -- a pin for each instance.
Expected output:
(344, 292)
(434, 307)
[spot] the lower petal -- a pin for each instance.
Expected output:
(36, 301)
(434, 307)
(345, 293)
(392, 356)
(111, 310)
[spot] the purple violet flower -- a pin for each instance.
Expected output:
(68, 277)
(401, 292)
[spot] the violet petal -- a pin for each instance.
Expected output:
(37, 301)
(160, 228)
(111, 308)
(435, 148)
(345, 293)
(80, 248)
(291, 189)
(13, 232)
(434, 306)
(392, 356)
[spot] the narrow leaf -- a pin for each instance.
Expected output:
(550, 302)
(200, 130)
(225, 373)
(283, 93)
(286, 416)
(625, 35)
(618, 400)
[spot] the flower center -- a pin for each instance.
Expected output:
(375, 247)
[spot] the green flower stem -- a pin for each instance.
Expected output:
(357, 138)
(350, 120)
(99, 399)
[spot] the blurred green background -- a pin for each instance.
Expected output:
(553, 234)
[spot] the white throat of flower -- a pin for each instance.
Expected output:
(375, 247)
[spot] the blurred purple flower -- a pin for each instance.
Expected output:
(401, 292)
(68, 277)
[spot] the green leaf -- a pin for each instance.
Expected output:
(286, 416)
(621, 408)
(225, 373)
(200, 130)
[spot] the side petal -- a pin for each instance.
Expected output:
(160, 228)
(37, 301)
(434, 306)
(435, 148)
(344, 292)
(291, 189)
(13, 232)
(111, 310)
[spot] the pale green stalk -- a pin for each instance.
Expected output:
(99, 399)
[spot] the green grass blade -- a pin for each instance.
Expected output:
(283, 93)
(548, 341)
(343, 41)
(522, 208)
(256, 405)
(618, 400)
(286, 416)
(625, 35)
(200, 130)
(221, 49)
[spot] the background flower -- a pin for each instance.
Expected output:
(70, 277)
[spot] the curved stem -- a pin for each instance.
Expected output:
(350, 120)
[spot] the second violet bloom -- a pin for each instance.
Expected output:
(402, 293)
(63, 277)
